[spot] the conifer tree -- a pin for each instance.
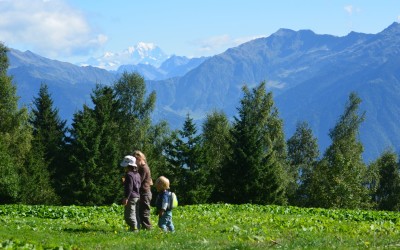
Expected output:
(303, 154)
(185, 155)
(256, 169)
(104, 112)
(216, 137)
(173, 170)
(340, 177)
(49, 136)
(94, 156)
(15, 134)
(83, 153)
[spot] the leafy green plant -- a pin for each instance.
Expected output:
(208, 226)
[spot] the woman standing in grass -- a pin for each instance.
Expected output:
(145, 190)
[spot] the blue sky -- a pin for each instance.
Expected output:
(75, 30)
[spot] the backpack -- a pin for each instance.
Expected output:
(173, 200)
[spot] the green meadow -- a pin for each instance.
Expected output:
(211, 226)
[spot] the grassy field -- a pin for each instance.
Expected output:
(217, 226)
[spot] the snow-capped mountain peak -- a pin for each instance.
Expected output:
(146, 46)
(145, 53)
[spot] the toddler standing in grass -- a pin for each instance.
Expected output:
(162, 204)
(132, 184)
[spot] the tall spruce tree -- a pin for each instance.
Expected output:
(185, 155)
(49, 136)
(105, 109)
(15, 135)
(83, 154)
(172, 169)
(303, 155)
(387, 186)
(340, 177)
(256, 169)
(94, 176)
(216, 137)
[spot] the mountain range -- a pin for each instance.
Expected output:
(172, 67)
(310, 75)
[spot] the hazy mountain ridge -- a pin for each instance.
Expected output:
(174, 66)
(283, 60)
(70, 85)
(310, 75)
(369, 66)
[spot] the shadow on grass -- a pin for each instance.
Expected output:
(86, 230)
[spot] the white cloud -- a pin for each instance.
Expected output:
(214, 43)
(48, 27)
(241, 40)
(218, 44)
(349, 9)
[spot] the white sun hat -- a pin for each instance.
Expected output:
(128, 160)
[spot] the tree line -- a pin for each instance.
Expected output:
(244, 160)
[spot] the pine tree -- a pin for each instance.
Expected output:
(256, 169)
(106, 107)
(84, 153)
(172, 170)
(49, 136)
(339, 178)
(15, 134)
(303, 155)
(94, 156)
(387, 192)
(216, 137)
(185, 155)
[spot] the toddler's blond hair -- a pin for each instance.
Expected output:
(162, 183)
